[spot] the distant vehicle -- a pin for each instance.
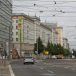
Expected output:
(54, 57)
(29, 59)
(60, 57)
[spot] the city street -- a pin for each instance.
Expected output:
(45, 68)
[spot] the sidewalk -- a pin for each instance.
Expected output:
(4, 69)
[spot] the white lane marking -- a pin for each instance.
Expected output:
(73, 68)
(42, 68)
(47, 74)
(11, 71)
(50, 71)
(67, 67)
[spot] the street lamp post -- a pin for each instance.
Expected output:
(36, 40)
(37, 46)
(20, 44)
(9, 43)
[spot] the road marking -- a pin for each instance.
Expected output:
(67, 67)
(73, 68)
(47, 74)
(11, 71)
(50, 71)
(42, 68)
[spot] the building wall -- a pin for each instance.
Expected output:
(17, 29)
(29, 31)
(32, 29)
(60, 35)
(65, 43)
(54, 36)
(44, 33)
(5, 23)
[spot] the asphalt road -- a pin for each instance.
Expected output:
(45, 68)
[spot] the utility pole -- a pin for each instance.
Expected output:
(9, 42)
(37, 45)
(20, 43)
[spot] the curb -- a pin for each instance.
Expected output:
(11, 71)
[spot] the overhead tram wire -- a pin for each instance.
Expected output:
(50, 10)
(33, 5)
(36, 10)
(30, 7)
(57, 2)
(26, 0)
(58, 16)
(49, 6)
(47, 0)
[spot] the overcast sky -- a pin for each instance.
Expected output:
(61, 11)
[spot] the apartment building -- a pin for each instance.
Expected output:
(65, 43)
(23, 32)
(60, 35)
(5, 24)
(26, 30)
(54, 34)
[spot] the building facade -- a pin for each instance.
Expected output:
(60, 35)
(5, 24)
(26, 30)
(54, 35)
(65, 43)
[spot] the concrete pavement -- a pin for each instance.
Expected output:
(5, 68)
(51, 68)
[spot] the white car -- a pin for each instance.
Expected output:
(28, 60)
(54, 57)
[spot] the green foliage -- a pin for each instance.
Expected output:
(60, 49)
(39, 45)
(57, 49)
(53, 49)
(66, 52)
(48, 48)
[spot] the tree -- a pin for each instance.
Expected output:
(66, 52)
(38, 46)
(48, 48)
(52, 51)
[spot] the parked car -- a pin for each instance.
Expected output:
(60, 57)
(29, 59)
(54, 57)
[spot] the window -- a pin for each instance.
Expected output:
(16, 39)
(16, 33)
(16, 27)
(16, 21)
